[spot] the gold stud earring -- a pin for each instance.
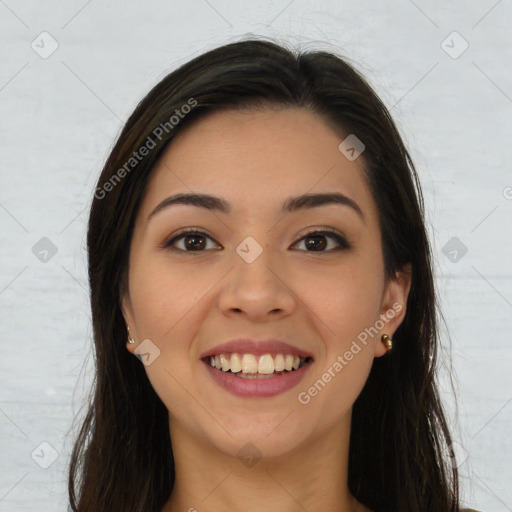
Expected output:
(386, 339)
(130, 340)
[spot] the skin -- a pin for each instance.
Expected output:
(188, 302)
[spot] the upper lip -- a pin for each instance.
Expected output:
(248, 346)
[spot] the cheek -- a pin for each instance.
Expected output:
(344, 298)
(169, 302)
(342, 312)
(345, 304)
(165, 297)
(163, 294)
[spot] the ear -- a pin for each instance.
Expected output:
(394, 305)
(127, 310)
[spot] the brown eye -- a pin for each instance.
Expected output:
(193, 241)
(315, 240)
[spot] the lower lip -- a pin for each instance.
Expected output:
(258, 387)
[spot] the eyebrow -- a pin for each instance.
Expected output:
(292, 204)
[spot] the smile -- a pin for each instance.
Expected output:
(257, 376)
(247, 365)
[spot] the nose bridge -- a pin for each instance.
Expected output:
(253, 261)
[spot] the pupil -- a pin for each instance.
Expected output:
(316, 238)
(194, 245)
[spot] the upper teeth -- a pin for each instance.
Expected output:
(248, 363)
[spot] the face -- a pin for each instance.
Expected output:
(255, 271)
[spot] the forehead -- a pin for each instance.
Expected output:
(256, 159)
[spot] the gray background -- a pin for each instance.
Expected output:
(61, 112)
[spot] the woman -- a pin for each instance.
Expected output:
(262, 299)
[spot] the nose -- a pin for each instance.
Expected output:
(258, 290)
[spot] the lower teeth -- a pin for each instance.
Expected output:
(254, 375)
(257, 375)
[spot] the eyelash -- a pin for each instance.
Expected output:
(341, 240)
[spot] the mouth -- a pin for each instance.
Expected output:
(251, 366)
(256, 369)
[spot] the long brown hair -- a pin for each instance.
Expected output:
(122, 458)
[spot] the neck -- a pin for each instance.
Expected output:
(313, 477)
